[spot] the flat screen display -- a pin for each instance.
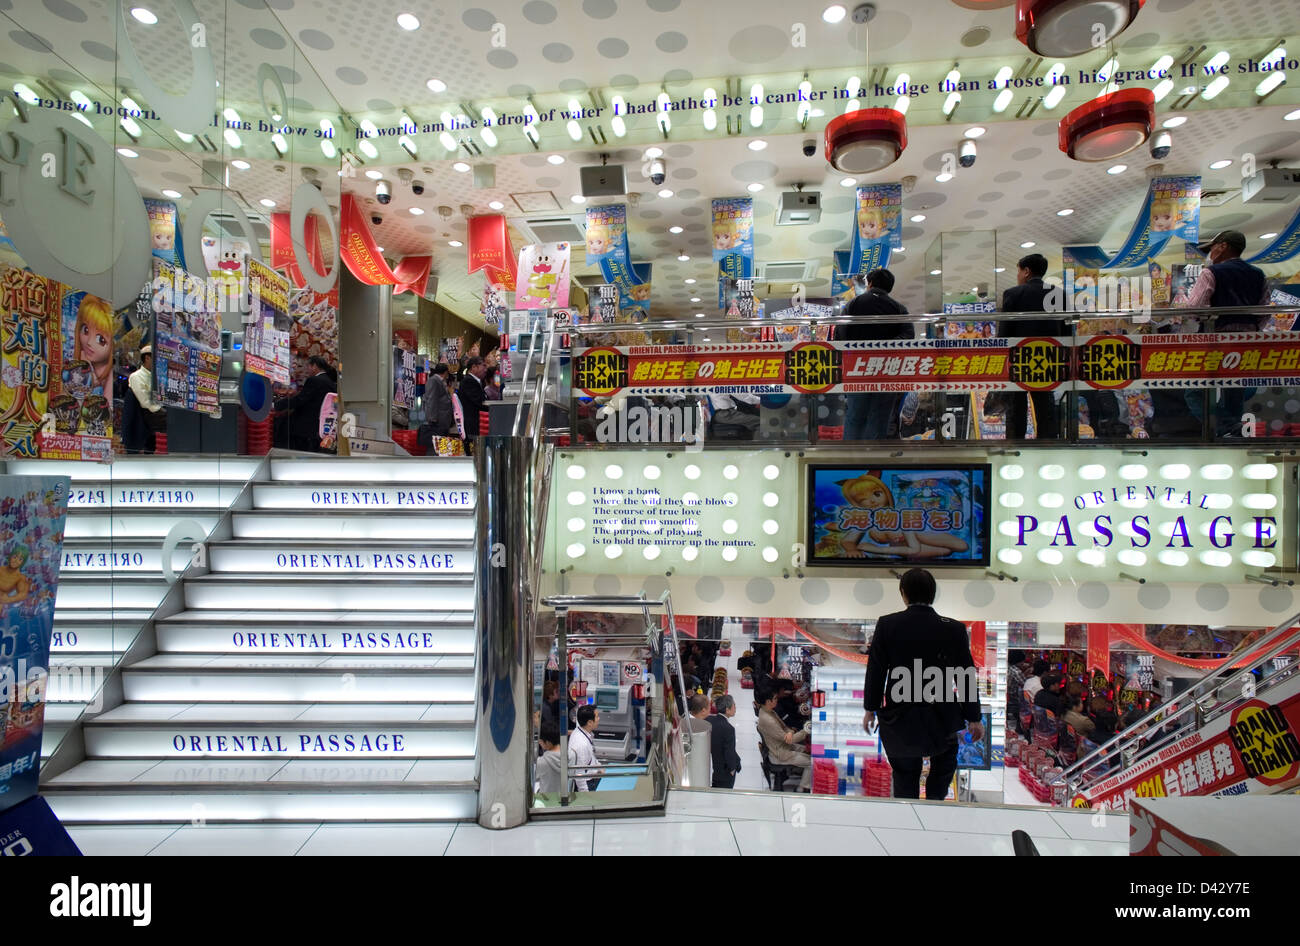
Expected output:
(935, 515)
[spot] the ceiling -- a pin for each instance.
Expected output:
(348, 62)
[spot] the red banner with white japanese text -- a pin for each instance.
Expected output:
(363, 258)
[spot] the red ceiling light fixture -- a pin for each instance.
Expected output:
(1064, 28)
(1109, 126)
(866, 140)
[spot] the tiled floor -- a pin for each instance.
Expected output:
(697, 822)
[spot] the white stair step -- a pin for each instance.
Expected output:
(316, 685)
(428, 470)
(114, 617)
(397, 498)
(354, 526)
(106, 557)
(144, 495)
(283, 712)
(315, 637)
(287, 557)
(120, 591)
(76, 637)
(415, 593)
(304, 662)
(117, 524)
(51, 736)
(177, 469)
(318, 741)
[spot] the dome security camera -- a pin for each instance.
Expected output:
(809, 147)
(966, 156)
(417, 188)
(376, 219)
(383, 191)
(1161, 144)
(657, 172)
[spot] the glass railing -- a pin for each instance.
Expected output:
(1194, 376)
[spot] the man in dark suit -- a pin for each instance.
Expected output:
(1029, 295)
(440, 418)
(726, 761)
(874, 416)
(922, 682)
(471, 394)
(304, 407)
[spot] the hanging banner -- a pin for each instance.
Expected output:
(266, 337)
(880, 227)
(733, 241)
(1172, 210)
(32, 516)
(56, 357)
(842, 289)
(543, 276)
(607, 245)
(978, 641)
(282, 255)
(489, 249)
(1098, 647)
(164, 230)
(363, 258)
(403, 378)
(1222, 360)
(187, 340)
(1284, 246)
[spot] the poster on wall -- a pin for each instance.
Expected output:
(164, 231)
(187, 341)
(56, 358)
(227, 262)
(315, 329)
(933, 515)
(403, 378)
(32, 516)
(977, 753)
(266, 337)
(543, 276)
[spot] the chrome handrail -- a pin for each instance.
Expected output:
(1196, 709)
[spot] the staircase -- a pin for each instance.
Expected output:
(321, 669)
(111, 578)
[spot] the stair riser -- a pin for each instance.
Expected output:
(109, 594)
(173, 497)
(344, 498)
(323, 640)
(72, 638)
(151, 525)
(268, 525)
(299, 560)
(153, 807)
(301, 687)
(329, 596)
(103, 559)
(434, 471)
(308, 742)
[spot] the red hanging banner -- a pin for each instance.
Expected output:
(978, 641)
(1099, 647)
(489, 248)
(282, 255)
(686, 624)
(361, 253)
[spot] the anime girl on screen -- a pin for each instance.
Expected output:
(869, 492)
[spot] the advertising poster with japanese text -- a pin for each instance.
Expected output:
(608, 247)
(315, 329)
(187, 341)
(898, 514)
(266, 337)
(32, 514)
(164, 230)
(733, 241)
(57, 350)
(880, 227)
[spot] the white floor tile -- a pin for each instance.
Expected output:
(727, 804)
(235, 841)
(378, 840)
(1114, 826)
(853, 811)
(900, 842)
(106, 771)
(766, 839)
(543, 840)
(119, 840)
(1014, 793)
(1069, 847)
(946, 816)
(703, 838)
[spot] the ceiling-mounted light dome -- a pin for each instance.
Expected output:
(865, 140)
(1062, 28)
(1109, 126)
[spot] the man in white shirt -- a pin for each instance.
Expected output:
(582, 748)
(141, 382)
(1035, 683)
(141, 422)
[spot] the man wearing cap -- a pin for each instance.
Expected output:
(1229, 281)
(144, 418)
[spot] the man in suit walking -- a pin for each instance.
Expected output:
(304, 407)
(874, 416)
(726, 761)
(472, 395)
(922, 683)
(1029, 295)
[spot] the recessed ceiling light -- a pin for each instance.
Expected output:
(665, 193)
(834, 13)
(555, 158)
(1291, 116)
(1065, 212)
(409, 311)
(267, 202)
(943, 178)
(683, 258)
(936, 272)
(848, 182)
(706, 339)
(496, 205)
(455, 243)
(416, 211)
(1220, 165)
(168, 192)
(436, 85)
(695, 298)
(460, 166)
(1117, 169)
(380, 249)
(999, 269)
(699, 315)
(901, 249)
(654, 153)
(578, 199)
(144, 15)
(374, 175)
(690, 282)
(975, 132)
(917, 218)
(1267, 236)
(754, 188)
(1027, 244)
(408, 21)
(758, 144)
(241, 164)
(1174, 122)
(128, 153)
(674, 229)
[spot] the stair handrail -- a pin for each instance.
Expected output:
(1194, 709)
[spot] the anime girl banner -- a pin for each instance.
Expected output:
(733, 241)
(32, 514)
(607, 245)
(935, 515)
(880, 227)
(1284, 246)
(165, 231)
(56, 360)
(1171, 211)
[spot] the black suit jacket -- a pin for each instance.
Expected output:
(442, 416)
(472, 399)
(1029, 297)
(909, 725)
(304, 407)
(722, 745)
(876, 302)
